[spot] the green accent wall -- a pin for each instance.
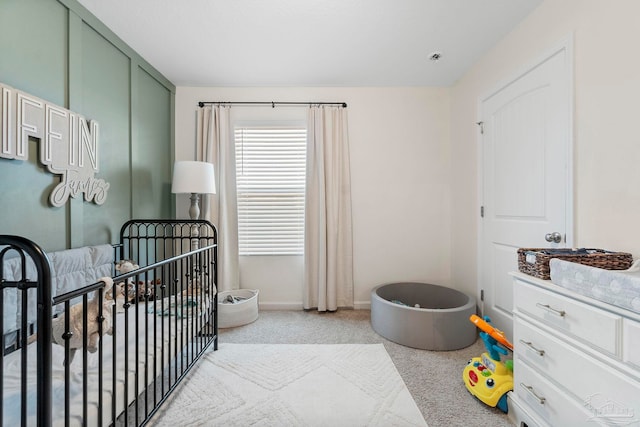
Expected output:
(56, 50)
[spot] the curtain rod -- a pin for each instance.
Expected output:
(272, 103)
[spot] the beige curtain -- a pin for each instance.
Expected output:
(215, 144)
(328, 253)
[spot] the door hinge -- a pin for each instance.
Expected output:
(481, 211)
(481, 294)
(481, 124)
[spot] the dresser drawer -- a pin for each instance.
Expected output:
(596, 327)
(549, 402)
(521, 415)
(583, 376)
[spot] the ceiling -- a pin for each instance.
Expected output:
(311, 42)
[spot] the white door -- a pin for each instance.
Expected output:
(526, 175)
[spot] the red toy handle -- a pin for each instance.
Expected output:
(497, 334)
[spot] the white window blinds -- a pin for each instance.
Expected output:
(270, 173)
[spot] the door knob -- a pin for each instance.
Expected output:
(554, 237)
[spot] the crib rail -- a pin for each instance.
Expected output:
(42, 283)
(146, 241)
(169, 348)
(153, 326)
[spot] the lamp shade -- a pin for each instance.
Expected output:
(193, 177)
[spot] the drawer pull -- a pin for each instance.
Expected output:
(529, 389)
(547, 307)
(530, 345)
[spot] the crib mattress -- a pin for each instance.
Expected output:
(617, 287)
(148, 318)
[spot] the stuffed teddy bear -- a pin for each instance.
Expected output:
(125, 266)
(122, 267)
(76, 317)
(146, 290)
(136, 290)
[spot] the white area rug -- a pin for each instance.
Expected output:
(292, 385)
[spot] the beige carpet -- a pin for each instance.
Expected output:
(292, 385)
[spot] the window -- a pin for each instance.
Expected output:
(270, 173)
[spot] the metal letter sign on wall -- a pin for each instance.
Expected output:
(68, 143)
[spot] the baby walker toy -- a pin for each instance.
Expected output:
(487, 377)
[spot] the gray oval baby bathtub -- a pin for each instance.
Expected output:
(422, 315)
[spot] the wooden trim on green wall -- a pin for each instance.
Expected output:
(75, 215)
(172, 158)
(134, 102)
(82, 65)
(102, 29)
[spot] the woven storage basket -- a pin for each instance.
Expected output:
(535, 261)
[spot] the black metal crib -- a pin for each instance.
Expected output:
(153, 324)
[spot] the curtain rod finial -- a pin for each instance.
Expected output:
(200, 104)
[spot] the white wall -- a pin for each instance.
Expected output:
(399, 143)
(606, 135)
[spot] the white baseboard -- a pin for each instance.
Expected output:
(362, 305)
(280, 306)
(357, 305)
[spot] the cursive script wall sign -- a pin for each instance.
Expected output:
(68, 143)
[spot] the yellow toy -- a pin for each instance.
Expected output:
(487, 377)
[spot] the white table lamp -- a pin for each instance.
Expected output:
(196, 178)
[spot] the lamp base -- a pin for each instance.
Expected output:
(194, 209)
(194, 213)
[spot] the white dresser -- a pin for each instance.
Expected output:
(576, 359)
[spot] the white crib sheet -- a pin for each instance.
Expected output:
(145, 354)
(617, 287)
